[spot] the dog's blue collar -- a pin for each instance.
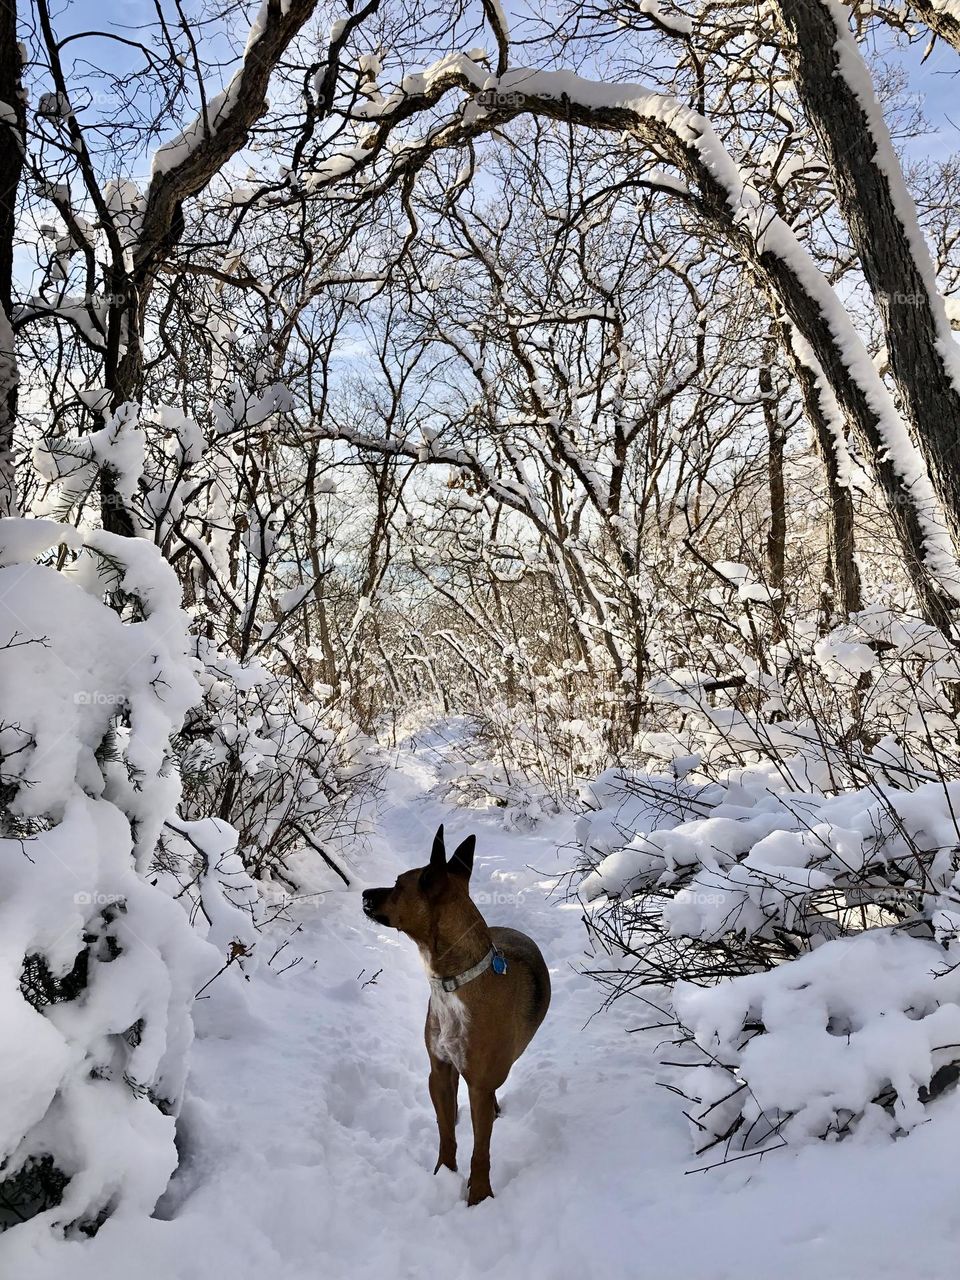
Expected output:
(494, 960)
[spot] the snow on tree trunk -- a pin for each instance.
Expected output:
(941, 16)
(838, 97)
(824, 416)
(8, 416)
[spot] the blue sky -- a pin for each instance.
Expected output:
(936, 82)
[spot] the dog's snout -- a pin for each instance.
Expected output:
(372, 898)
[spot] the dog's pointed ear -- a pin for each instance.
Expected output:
(461, 863)
(434, 874)
(438, 854)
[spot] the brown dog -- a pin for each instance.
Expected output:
(490, 990)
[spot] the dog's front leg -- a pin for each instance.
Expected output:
(482, 1110)
(444, 1079)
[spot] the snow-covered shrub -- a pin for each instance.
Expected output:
(291, 773)
(770, 875)
(475, 771)
(525, 801)
(768, 834)
(856, 1038)
(525, 756)
(765, 871)
(99, 965)
(875, 696)
(271, 749)
(200, 865)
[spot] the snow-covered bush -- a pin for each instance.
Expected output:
(855, 1038)
(198, 863)
(285, 767)
(768, 875)
(479, 770)
(99, 964)
(764, 871)
(535, 734)
(271, 749)
(875, 695)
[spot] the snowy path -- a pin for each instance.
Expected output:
(310, 1137)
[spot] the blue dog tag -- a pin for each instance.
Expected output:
(499, 965)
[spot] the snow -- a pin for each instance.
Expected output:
(188, 434)
(500, 19)
(22, 540)
(308, 1136)
(126, 204)
(674, 22)
(119, 447)
(294, 598)
(87, 316)
(56, 106)
(95, 398)
(304, 1132)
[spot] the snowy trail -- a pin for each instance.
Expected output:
(310, 1139)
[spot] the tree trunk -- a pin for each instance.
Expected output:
(12, 132)
(844, 576)
(777, 531)
(861, 412)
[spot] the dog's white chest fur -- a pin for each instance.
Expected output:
(450, 1024)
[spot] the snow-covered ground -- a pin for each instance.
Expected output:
(309, 1138)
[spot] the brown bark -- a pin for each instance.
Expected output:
(940, 21)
